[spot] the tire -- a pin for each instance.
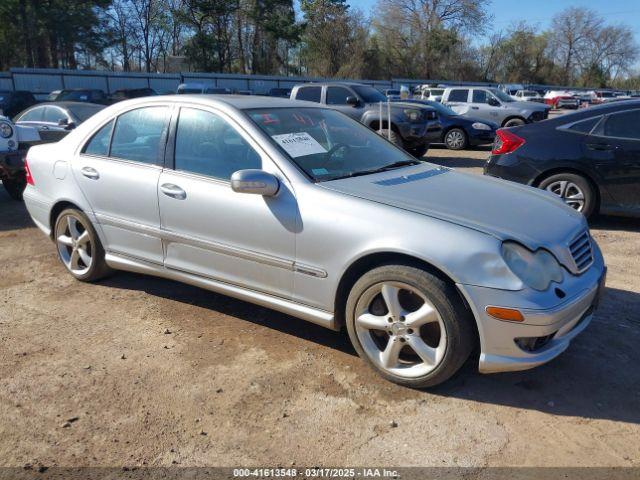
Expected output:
(78, 245)
(419, 151)
(514, 122)
(446, 339)
(456, 139)
(392, 136)
(574, 189)
(14, 187)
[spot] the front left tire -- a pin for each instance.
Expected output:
(79, 247)
(409, 325)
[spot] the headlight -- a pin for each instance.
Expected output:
(481, 126)
(413, 115)
(5, 130)
(536, 269)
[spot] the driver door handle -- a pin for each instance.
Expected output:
(173, 191)
(600, 146)
(475, 108)
(90, 172)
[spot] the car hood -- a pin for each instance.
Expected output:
(496, 207)
(530, 105)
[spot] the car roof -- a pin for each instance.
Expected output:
(240, 102)
(338, 83)
(66, 104)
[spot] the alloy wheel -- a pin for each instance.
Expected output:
(571, 193)
(74, 244)
(400, 330)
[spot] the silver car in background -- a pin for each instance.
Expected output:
(301, 209)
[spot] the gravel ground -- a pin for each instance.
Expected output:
(142, 371)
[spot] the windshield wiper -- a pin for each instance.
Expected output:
(391, 166)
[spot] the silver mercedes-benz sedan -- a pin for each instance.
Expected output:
(299, 208)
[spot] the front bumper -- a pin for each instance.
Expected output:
(550, 322)
(419, 133)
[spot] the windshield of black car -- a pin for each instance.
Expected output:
(443, 109)
(82, 112)
(503, 97)
(369, 94)
(326, 144)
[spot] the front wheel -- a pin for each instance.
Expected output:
(79, 247)
(456, 139)
(14, 187)
(409, 325)
(573, 189)
(514, 122)
(392, 136)
(419, 151)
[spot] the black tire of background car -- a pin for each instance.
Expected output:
(419, 151)
(458, 321)
(393, 137)
(590, 199)
(448, 139)
(514, 122)
(99, 268)
(14, 187)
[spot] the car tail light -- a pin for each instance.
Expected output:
(28, 173)
(506, 142)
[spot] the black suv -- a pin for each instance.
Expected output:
(12, 103)
(410, 126)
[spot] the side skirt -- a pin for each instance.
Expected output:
(313, 315)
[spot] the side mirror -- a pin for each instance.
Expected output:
(353, 101)
(64, 122)
(257, 182)
(493, 102)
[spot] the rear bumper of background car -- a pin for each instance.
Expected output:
(12, 162)
(546, 331)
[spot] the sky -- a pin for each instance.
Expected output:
(507, 12)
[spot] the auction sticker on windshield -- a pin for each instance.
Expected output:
(299, 144)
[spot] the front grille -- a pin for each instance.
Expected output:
(581, 251)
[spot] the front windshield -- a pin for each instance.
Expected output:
(326, 144)
(369, 94)
(85, 111)
(503, 97)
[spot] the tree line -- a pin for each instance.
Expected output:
(428, 39)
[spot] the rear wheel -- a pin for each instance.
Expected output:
(79, 247)
(14, 187)
(514, 122)
(409, 325)
(456, 139)
(575, 190)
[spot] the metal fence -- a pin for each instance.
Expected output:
(42, 81)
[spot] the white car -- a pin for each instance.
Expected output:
(528, 96)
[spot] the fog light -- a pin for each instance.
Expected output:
(506, 314)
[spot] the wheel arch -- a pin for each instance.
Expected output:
(373, 260)
(513, 117)
(575, 171)
(58, 208)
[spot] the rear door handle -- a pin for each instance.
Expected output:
(600, 146)
(173, 191)
(90, 172)
(475, 108)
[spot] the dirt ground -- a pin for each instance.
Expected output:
(142, 371)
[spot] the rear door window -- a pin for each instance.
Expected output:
(310, 94)
(137, 134)
(623, 125)
(585, 126)
(458, 95)
(34, 115)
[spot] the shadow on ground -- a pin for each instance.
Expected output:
(13, 214)
(596, 378)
